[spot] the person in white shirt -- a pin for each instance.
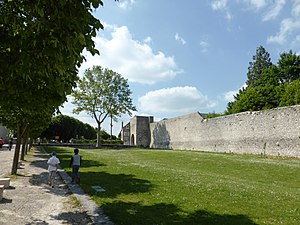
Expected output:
(52, 168)
(75, 163)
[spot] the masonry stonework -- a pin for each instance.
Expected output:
(137, 131)
(270, 132)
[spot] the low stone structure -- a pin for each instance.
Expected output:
(269, 132)
(5, 182)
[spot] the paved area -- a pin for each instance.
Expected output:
(31, 201)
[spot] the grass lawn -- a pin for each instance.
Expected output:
(158, 187)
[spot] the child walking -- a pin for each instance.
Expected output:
(52, 168)
(75, 163)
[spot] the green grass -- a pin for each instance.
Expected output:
(156, 187)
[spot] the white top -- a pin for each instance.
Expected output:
(76, 160)
(53, 162)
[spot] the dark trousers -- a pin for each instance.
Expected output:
(75, 173)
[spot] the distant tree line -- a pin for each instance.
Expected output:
(64, 128)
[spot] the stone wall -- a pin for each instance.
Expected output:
(271, 132)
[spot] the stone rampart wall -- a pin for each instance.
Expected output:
(271, 132)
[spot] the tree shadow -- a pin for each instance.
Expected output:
(5, 201)
(123, 213)
(114, 184)
(39, 179)
(37, 222)
(77, 217)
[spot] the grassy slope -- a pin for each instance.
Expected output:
(182, 187)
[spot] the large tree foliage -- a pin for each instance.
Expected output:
(289, 67)
(273, 86)
(40, 51)
(101, 93)
(261, 61)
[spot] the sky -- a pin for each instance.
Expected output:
(181, 57)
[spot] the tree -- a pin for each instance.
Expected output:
(269, 86)
(40, 51)
(260, 62)
(261, 91)
(289, 67)
(101, 93)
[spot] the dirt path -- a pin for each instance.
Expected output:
(30, 200)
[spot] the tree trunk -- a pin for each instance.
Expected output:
(17, 152)
(111, 127)
(23, 148)
(98, 135)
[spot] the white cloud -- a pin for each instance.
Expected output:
(288, 27)
(274, 10)
(148, 40)
(296, 9)
(134, 60)
(204, 46)
(296, 42)
(174, 100)
(219, 5)
(272, 7)
(256, 4)
(180, 39)
(125, 4)
(222, 5)
(229, 96)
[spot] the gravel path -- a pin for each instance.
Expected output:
(30, 200)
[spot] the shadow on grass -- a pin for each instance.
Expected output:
(123, 213)
(114, 184)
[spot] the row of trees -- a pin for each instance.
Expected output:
(269, 85)
(64, 128)
(40, 53)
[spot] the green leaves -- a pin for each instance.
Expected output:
(269, 86)
(41, 49)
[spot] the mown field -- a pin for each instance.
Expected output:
(159, 187)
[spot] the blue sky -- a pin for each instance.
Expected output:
(186, 56)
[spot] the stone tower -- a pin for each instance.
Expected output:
(137, 131)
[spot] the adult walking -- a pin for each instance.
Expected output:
(10, 144)
(75, 163)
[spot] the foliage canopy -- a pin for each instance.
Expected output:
(102, 93)
(40, 51)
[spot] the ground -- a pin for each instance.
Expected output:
(30, 200)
